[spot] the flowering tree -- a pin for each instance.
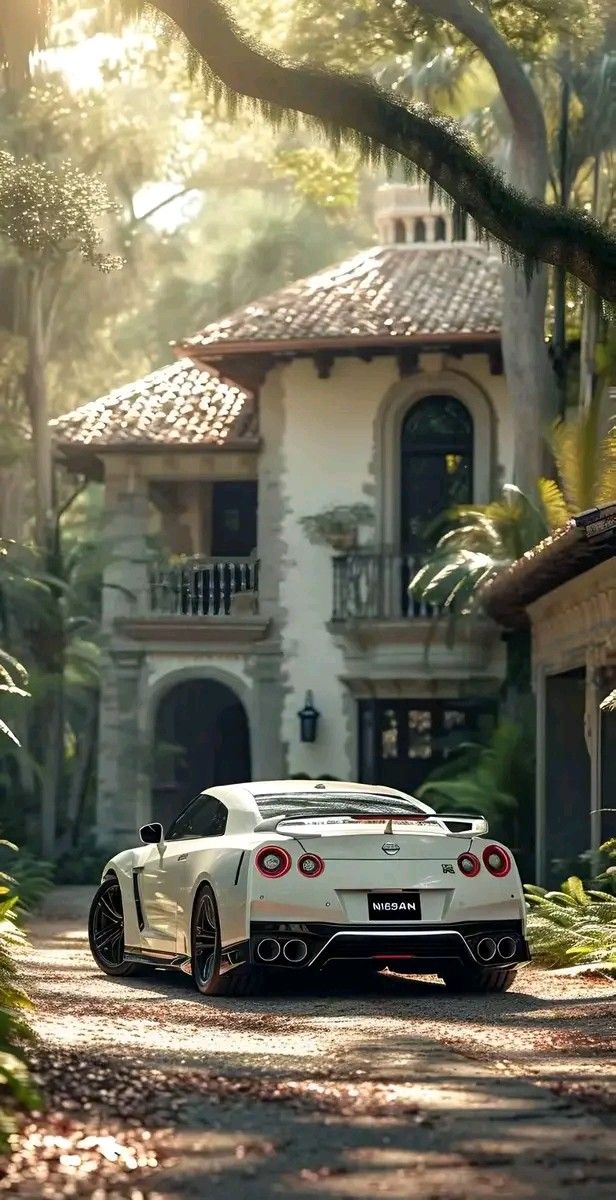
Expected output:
(47, 215)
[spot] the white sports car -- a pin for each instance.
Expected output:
(257, 878)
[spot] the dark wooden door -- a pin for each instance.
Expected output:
(234, 518)
(436, 468)
(402, 741)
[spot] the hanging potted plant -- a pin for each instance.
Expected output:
(337, 527)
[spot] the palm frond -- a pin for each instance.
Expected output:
(553, 503)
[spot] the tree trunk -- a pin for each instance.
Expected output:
(38, 408)
(81, 774)
(53, 759)
(530, 378)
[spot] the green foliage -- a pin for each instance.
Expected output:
(13, 678)
(25, 877)
(332, 523)
(16, 1089)
(47, 214)
(81, 865)
(575, 926)
(330, 183)
(484, 541)
(495, 780)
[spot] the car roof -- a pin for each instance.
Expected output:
(246, 795)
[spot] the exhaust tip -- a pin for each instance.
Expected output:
(507, 947)
(268, 950)
(295, 951)
(486, 949)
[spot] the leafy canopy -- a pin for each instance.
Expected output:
(47, 213)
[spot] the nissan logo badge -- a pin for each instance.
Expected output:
(390, 847)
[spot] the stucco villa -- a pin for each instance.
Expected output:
(377, 382)
(565, 590)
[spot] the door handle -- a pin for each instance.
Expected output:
(182, 857)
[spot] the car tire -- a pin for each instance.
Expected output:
(246, 980)
(478, 979)
(106, 930)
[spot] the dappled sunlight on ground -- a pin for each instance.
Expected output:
(399, 1090)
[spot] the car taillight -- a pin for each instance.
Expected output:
(311, 865)
(497, 861)
(469, 864)
(273, 862)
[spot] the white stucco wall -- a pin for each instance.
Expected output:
(327, 459)
(330, 451)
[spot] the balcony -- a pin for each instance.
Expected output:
(209, 587)
(200, 602)
(373, 585)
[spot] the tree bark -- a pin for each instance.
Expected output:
(81, 773)
(531, 380)
(38, 408)
(52, 763)
(340, 102)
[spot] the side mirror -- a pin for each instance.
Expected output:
(151, 834)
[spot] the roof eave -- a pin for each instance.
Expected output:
(587, 540)
(204, 352)
(84, 449)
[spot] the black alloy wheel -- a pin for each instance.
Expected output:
(206, 954)
(205, 942)
(106, 929)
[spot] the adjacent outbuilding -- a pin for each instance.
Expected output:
(565, 589)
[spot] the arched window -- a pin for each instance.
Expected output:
(420, 230)
(436, 468)
(440, 229)
(399, 230)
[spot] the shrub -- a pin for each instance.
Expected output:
(574, 927)
(16, 1090)
(26, 877)
(83, 864)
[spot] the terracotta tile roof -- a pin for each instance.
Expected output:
(178, 405)
(437, 290)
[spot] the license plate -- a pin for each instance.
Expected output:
(394, 906)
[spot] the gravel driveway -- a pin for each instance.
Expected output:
(400, 1091)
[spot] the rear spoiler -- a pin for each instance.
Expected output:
(462, 826)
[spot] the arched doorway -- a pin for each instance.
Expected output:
(201, 739)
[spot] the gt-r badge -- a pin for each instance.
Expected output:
(447, 868)
(390, 847)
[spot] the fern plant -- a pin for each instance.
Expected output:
(16, 1088)
(574, 927)
(25, 877)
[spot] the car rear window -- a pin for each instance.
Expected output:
(352, 804)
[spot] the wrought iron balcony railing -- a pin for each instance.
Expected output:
(208, 587)
(371, 584)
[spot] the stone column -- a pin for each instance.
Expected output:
(125, 577)
(268, 752)
(123, 789)
(269, 759)
(123, 779)
(540, 778)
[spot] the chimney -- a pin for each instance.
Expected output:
(404, 216)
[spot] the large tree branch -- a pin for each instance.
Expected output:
(347, 104)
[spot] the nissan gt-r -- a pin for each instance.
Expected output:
(255, 879)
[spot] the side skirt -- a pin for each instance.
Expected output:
(232, 956)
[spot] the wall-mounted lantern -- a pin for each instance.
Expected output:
(308, 720)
